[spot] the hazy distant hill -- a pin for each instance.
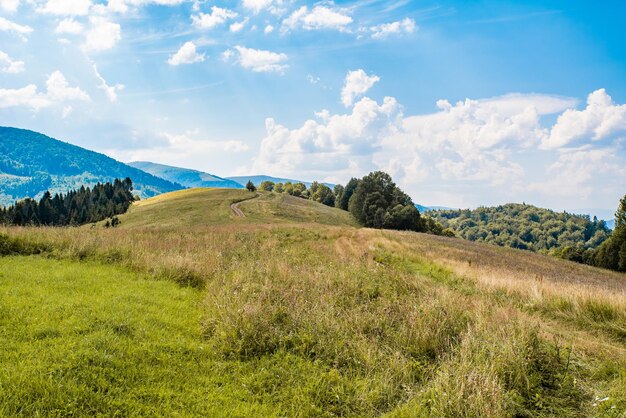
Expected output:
(423, 209)
(31, 163)
(258, 179)
(184, 176)
(610, 224)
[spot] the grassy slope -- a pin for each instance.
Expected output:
(304, 319)
(194, 207)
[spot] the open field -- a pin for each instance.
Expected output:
(293, 311)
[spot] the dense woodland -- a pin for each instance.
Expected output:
(77, 207)
(524, 226)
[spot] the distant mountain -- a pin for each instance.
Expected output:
(610, 224)
(184, 176)
(31, 163)
(258, 179)
(423, 209)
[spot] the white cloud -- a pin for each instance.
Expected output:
(218, 16)
(601, 119)
(268, 29)
(238, 26)
(8, 26)
(257, 60)
(336, 143)
(58, 92)
(187, 54)
(9, 65)
(66, 7)
(110, 91)
(320, 17)
(356, 84)
(405, 25)
(257, 5)
(102, 35)
(9, 5)
(70, 26)
(489, 148)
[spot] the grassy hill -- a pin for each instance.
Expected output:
(185, 176)
(31, 163)
(187, 309)
(212, 207)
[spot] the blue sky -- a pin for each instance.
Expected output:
(463, 102)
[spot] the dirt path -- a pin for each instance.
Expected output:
(237, 211)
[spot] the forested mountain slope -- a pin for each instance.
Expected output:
(31, 163)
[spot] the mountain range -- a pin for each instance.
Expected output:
(186, 177)
(31, 163)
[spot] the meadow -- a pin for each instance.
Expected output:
(187, 310)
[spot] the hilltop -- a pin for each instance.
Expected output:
(184, 176)
(201, 207)
(31, 163)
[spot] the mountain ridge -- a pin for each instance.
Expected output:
(32, 163)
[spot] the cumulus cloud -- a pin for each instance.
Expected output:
(66, 7)
(476, 148)
(187, 54)
(601, 119)
(218, 16)
(333, 143)
(268, 29)
(9, 5)
(69, 26)
(102, 35)
(58, 91)
(320, 17)
(257, 60)
(357, 83)
(9, 26)
(382, 31)
(9, 65)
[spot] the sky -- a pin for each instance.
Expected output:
(464, 103)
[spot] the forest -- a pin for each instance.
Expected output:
(77, 207)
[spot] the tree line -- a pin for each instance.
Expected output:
(375, 201)
(77, 207)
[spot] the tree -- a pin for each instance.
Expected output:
(279, 188)
(378, 203)
(266, 186)
(338, 192)
(250, 186)
(612, 253)
(343, 202)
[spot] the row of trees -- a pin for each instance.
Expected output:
(375, 201)
(77, 207)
